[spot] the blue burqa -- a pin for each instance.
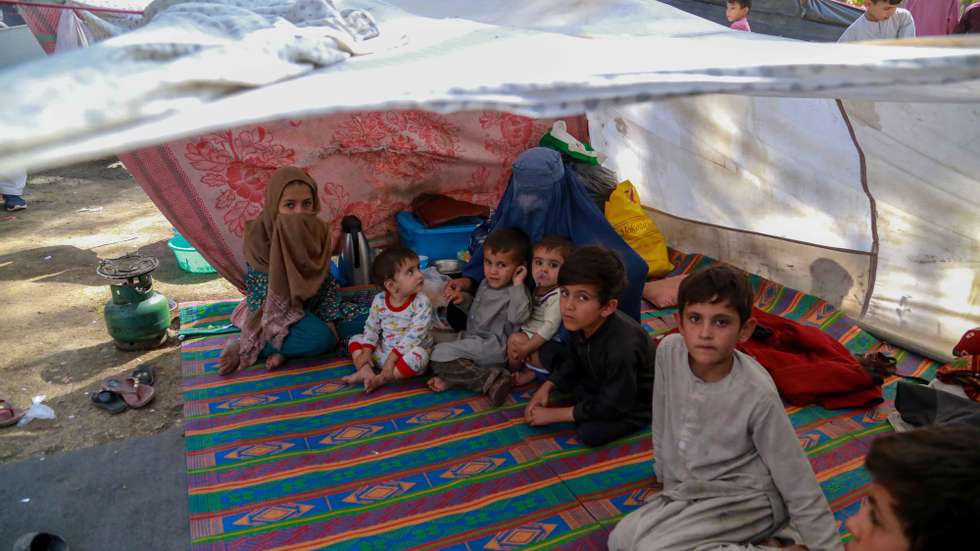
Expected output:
(545, 197)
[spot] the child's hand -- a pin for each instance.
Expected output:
(386, 376)
(364, 361)
(541, 416)
(519, 352)
(455, 288)
(539, 400)
(519, 274)
(453, 297)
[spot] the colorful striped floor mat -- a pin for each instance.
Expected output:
(294, 459)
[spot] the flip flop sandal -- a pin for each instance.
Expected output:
(129, 389)
(499, 390)
(8, 415)
(145, 374)
(109, 401)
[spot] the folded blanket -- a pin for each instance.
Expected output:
(809, 366)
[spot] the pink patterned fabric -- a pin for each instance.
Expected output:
(43, 23)
(367, 164)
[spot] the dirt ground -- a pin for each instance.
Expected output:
(53, 337)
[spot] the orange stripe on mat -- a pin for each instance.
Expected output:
(422, 517)
(342, 464)
(851, 465)
(605, 466)
(262, 375)
(302, 414)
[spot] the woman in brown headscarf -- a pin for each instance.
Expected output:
(292, 301)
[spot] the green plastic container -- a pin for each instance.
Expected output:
(187, 256)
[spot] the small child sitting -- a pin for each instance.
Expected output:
(608, 365)
(477, 358)
(882, 20)
(732, 469)
(547, 256)
(737, 13)
(397, 334)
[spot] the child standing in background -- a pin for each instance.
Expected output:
(397, 334)
(477, 358)
(547, 256)
(882, 20)
(737, 13)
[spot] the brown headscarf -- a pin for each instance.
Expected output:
(294, 250)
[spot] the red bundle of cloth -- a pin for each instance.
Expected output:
(809, 366)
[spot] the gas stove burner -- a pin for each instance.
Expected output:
(127, 266)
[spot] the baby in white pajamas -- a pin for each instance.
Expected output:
(397, 338)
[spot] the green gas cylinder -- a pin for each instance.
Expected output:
(137, 317)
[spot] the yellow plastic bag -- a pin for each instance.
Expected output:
(625, 214)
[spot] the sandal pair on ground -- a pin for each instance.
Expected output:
(8, 415)
(121, 393)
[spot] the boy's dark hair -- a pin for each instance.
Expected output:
(555, 243)
(509, 240)
(743, 3)
(387, 263)
(933, 476)
(596, 266)
(714, 285)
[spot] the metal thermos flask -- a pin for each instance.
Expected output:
(356, 255)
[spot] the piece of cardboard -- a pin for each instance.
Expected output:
(17, 45)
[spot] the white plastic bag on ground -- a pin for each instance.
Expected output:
(36, 411)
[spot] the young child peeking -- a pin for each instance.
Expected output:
(924, 493)
(292, 303)
(477, 357)
(396, 338)
(608, 365)
(547, 256)
(732, 469)
(737, 13)
(882, 20)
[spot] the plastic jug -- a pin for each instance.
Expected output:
(356, 255)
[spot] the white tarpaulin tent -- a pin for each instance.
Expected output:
(869, 201)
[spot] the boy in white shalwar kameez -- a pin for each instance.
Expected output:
(731, 465)
(397, 335)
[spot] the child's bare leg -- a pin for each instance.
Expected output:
(230, 358)
(387, 375)
(360, 375)
(363, 367)
(524, 375)
(515, 351)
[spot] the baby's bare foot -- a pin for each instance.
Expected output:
(522, 377)
(436, 384)
(362, 374)
(376, 382)
(230, 358)
(274, 361)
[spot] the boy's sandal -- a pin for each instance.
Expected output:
(145, 374)
(109, 401)
(129, 389)
(8, 415)
(499, 390)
